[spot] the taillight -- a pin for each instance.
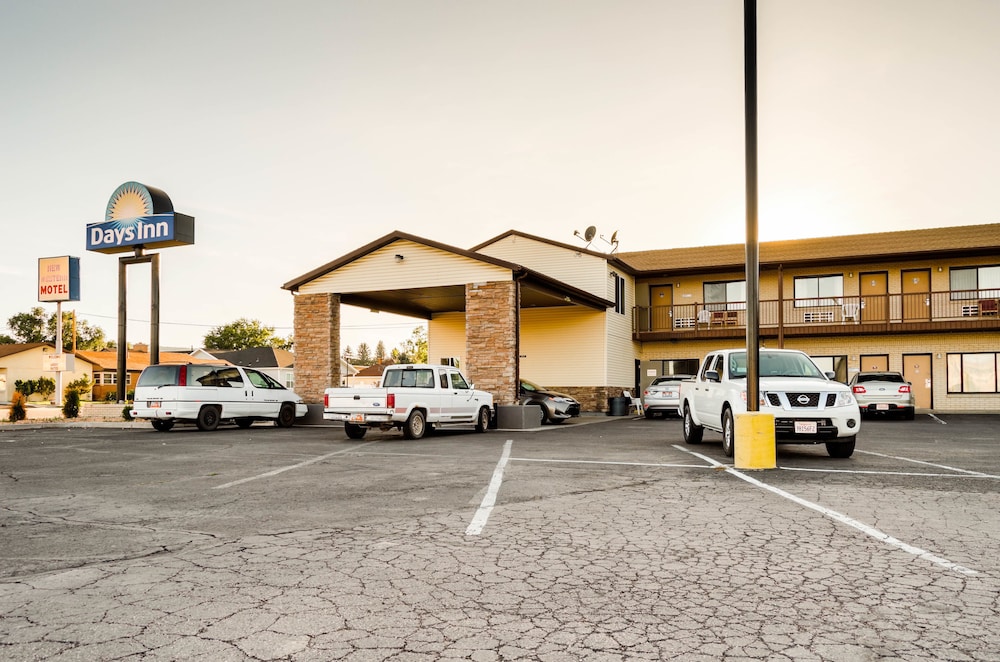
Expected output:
(905, 388)
(390, 401)
(182, 376)
(326, 400)
(858, 389)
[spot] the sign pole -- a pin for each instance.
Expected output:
(59, 351)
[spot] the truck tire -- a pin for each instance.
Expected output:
(355, 431)
(728, 432)
(692, 433)
(286, 416)
(415, 426)
(483, 419)
(208, 418)
(844, 448)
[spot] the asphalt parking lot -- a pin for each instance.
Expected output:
(604, 539)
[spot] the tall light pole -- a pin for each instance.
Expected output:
(752, 248)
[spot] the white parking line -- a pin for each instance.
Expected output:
(305, 463)
(889, 473)
(937, 419)
(627, 464)
(486, 507)
(929, 464)
(843, 519)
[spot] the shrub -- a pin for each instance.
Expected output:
(127, 412)
(45, 387)
(71, 407)
(17, 412)
(111, 396)
(25, 386)
(81, 386)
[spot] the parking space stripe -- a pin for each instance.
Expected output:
(305, 463)
(929, 464)
(839, 517)
(627, 464)
(486, 507)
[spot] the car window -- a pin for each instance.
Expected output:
(205, 375)
(709, 365)
(159, 375)
(457, 381)
(230, 378)
(259, 379)
(893, 377)
(443, 377)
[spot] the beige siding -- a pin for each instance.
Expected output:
(621, 349)
(563, 346)
(422, 266)
(581, 270)
(446, 338)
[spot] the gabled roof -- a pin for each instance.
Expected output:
(879, 246)
(537, 287)
(136, 361)
(256, 357)
(610, 257)
(10, 349)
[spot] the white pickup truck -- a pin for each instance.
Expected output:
(412, 398)
(809, 407)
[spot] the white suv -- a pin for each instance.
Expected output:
(209, 394)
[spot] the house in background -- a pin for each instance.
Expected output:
(21, 362)
(276, 363)
(367, 375)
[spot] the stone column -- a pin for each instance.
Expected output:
(491, 338)
(317, 344)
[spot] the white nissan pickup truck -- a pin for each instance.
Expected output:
(412, 398)
(809, 407)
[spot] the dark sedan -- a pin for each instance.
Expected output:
(556, 407)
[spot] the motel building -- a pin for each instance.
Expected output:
(593, 324)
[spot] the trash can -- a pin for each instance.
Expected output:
(618, 406)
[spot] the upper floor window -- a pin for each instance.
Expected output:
(819, 290)
(619, 293)
(974, 282)
(727, 295)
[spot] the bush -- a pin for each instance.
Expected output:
(127, 411)
(81, 386)
(17, 412)
(25, 386)
(45, 387)
(71, 407)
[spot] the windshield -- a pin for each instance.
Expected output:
(775, 364)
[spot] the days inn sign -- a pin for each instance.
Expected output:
(138, 217)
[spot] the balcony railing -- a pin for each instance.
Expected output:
(966, 309)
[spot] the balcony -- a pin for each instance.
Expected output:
(887, 313)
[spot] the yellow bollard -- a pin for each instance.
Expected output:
(754, 447)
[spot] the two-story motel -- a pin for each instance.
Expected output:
(921, 302)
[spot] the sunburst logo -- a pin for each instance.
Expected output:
(130, 200)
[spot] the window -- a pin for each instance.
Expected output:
(458, 382)
(973, 373)
(728, 295)
(106, 378)
(974, 283)
(619, 293)
(813, 291)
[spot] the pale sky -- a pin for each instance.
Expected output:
(295, 132)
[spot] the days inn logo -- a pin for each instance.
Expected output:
(137, 217)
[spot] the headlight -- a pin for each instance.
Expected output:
(845, 398)
(567, 401)
(743, 396)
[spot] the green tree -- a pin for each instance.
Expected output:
(380, 353)
(364, 356)
(414, 348)
(347, 355)
(6, 340)
(38, 326)
(244, 334)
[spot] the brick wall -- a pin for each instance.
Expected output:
(491, 338)
(317, 344)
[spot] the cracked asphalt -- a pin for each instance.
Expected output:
(604, 539)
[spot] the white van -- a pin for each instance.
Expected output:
(209, 394)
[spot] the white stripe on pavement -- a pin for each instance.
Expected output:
(486, 507)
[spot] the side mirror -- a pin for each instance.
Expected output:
(830, 375)
(712, 376)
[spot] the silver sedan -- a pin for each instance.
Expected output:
(662, 396)
(883, 392)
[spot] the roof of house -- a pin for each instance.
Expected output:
(964, 240)
(136, 361)
(9, 349)
(256, 357)
(373, 370)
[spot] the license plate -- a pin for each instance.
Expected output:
(805, 427)
(153, 404)
(882, 407)
(357, 418)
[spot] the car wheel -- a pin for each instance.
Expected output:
(649, 413)
(728, 433)
(162, 426)
(692, 433)
(208, 418)
(244, 422)
(483, 420)
(355, 431)
(910, 414)
(843, 448)
(286, 416)
(416, 425)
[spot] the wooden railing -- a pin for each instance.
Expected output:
(956, 309)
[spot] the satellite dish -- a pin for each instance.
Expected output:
(614, 237)
(589, 233)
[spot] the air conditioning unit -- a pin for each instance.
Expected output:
(451, 360)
